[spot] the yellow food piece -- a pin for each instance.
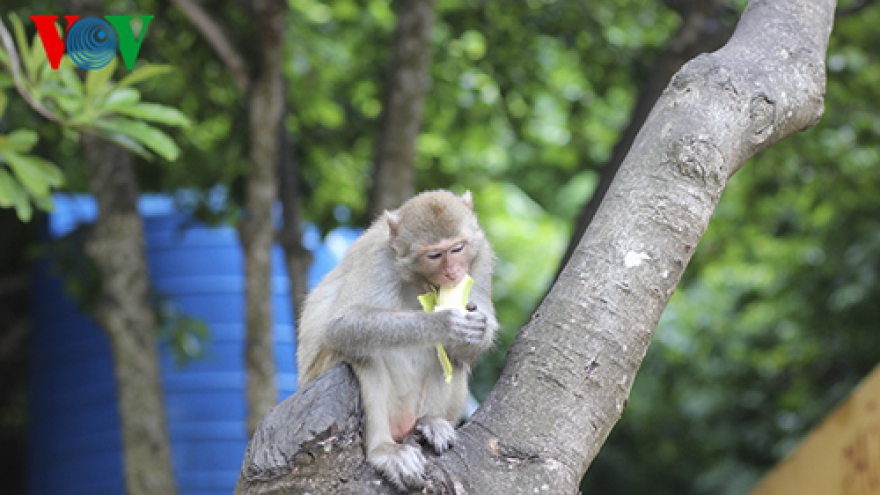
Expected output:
(447, 298)
(455, 298)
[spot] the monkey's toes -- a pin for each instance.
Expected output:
(437, 432)
(401, 464)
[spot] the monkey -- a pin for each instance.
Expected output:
(366, 312)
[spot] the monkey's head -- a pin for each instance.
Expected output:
(435, 235)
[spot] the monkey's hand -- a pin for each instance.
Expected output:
(468, 352)
(462, 330)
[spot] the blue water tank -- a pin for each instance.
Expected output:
(75, 443)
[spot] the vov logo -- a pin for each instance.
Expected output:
(91, 42)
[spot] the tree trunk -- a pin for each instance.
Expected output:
(256, 229)
(401, 119)
(702, 29)
(297, 258)
(125, 312)
(569, 372)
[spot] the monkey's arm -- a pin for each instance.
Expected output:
(361, 330)
(481, 297)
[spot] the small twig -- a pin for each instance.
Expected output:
(215, 37)
(15, 68)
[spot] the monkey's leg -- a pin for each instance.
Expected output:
(401, 464)
(443, 407)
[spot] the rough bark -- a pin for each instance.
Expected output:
(256, 229)
(401, 118)
(569, 372)
(125, 312)
(309, 432)
(702, 29)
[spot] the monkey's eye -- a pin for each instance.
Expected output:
(434, 255)
(458, 247)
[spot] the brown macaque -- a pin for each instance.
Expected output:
(366, 313)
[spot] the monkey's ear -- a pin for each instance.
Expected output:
(393, 225)
(468, 199)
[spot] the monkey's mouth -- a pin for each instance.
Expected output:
(451, 280)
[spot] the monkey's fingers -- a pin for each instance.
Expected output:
(473, 335)
(477, 317)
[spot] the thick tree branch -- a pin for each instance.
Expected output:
(215, 36)
(570, 370)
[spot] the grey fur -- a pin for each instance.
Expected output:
(366, 312)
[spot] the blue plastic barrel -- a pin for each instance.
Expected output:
(75, 442)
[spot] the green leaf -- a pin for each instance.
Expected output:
(11, 194)
(38, 55)
(121, 97)
(143, 73)
(9, 188)
(96, 80)
(35, 174)
(21, 41)
(3, 101)
(70, 105)
(23, 209)
(44, 203)
(70, 80)
(22, 140)
(144, 134)
(122, 140)
(155, 113)
(47, 74)
(27, 174)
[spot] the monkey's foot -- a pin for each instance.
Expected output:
(437, 432)
(401, 464)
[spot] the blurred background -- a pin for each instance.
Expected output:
(530, 104)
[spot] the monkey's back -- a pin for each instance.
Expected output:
(368, 258)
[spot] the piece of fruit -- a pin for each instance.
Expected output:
(448, 298)
(455, 298)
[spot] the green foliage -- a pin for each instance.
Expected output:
(25, 179)
(97, 105)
